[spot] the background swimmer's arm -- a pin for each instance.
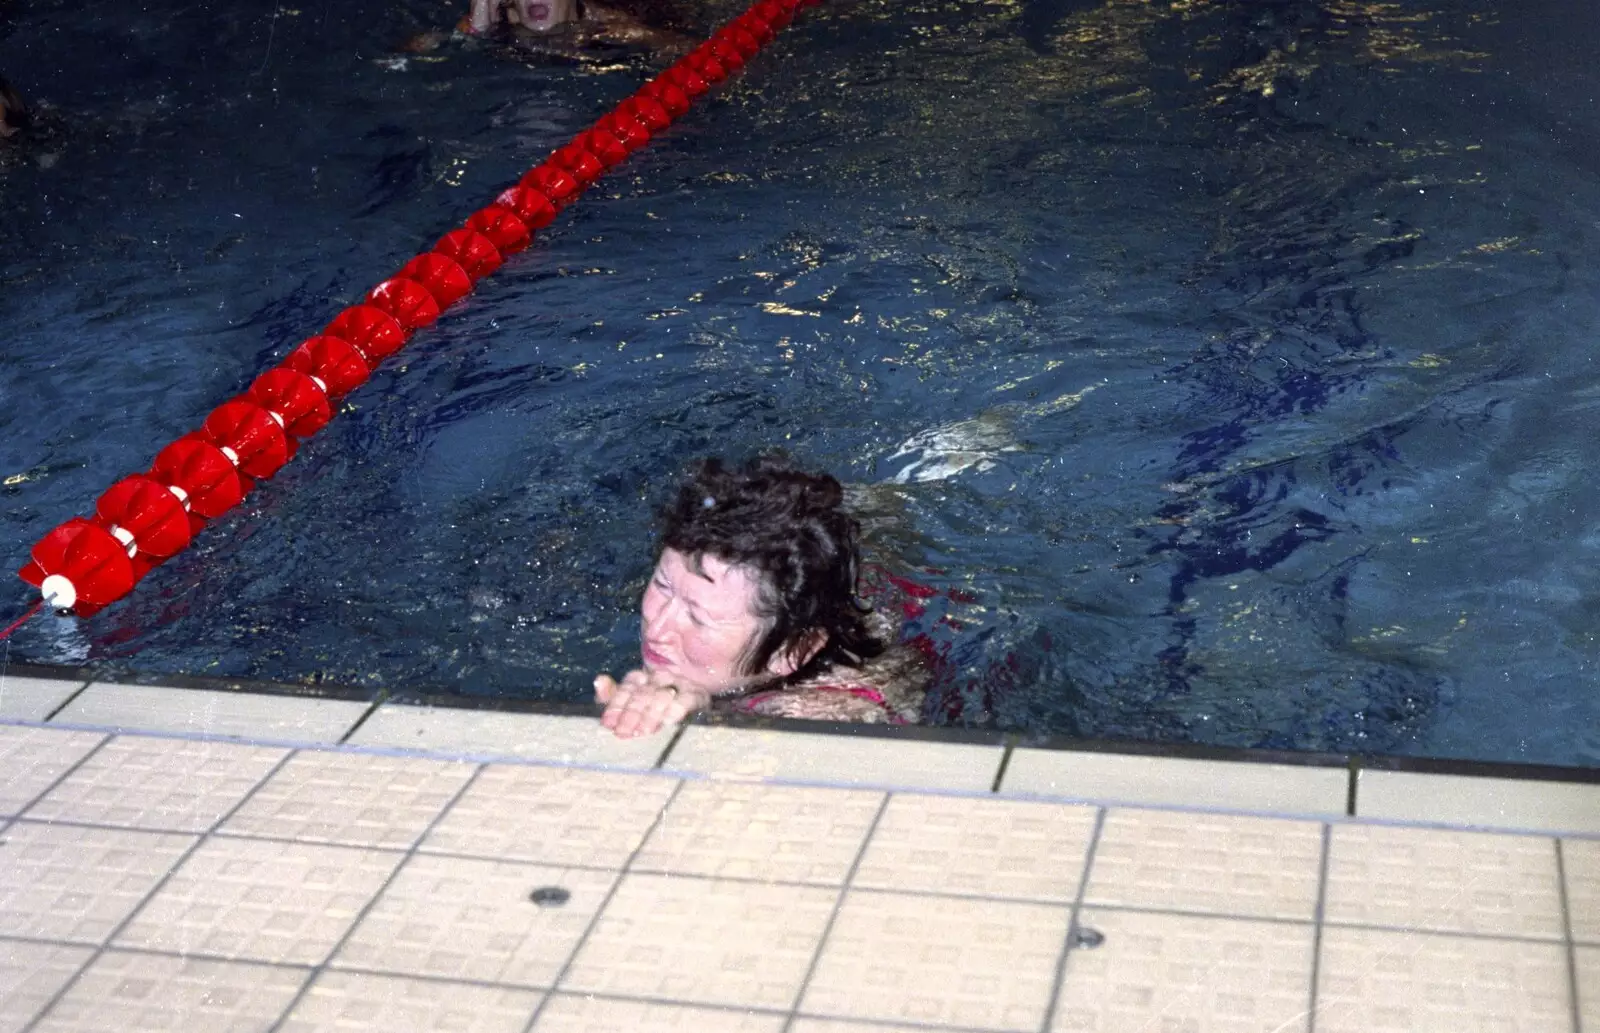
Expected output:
(484, 14)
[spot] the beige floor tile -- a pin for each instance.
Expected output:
(260, 901)
(61, 882)
(703, 941)
(753, 831)
(1504, 803)
(324, 796)
(33, 699)
(556, 738)
(554, 815)
(854, 760)
(1447, 881)
(1371, 981)
(30, 975)
(1174, 782)
(348, 1002)
(567, 1013)
(804, 1025)
(152, 993)
(939, 960)
(33, 758)
(463, 918)
(170, 784)
(234, 715)
(1213, 863)
(1581, 859)
(995, 848)
(1588, 966)
(1179, 972)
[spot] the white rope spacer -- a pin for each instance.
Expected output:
(59, 593)
(233, 457)
(276, 417)
(182, 495)
(125, 537)
(322, 385)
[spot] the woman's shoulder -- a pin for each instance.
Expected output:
(887, 688)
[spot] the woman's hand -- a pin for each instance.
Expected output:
(643, 702)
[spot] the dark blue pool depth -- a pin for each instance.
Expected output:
(1231, 362)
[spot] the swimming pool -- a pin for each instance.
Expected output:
(1224, 366)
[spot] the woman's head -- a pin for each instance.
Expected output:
(14, 114)
(756, 578)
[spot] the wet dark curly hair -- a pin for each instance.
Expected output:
(789, 526)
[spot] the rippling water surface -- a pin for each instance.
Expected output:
(1227, 367)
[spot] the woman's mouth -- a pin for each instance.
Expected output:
(652, 657)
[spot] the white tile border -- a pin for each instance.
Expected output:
(556, 738)
(34, 699)
(1177, 782)
(1511, 804)
(825, 757)
(841, 760)
(212, 712)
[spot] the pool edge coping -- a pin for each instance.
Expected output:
(1489, 777)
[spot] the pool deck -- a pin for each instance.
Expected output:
(205, 858)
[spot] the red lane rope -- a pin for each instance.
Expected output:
(145, 519)
(20, 621)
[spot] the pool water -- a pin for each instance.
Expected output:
(1225, 369)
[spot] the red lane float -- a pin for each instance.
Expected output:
(88, 563)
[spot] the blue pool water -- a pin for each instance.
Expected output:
(1229, 364)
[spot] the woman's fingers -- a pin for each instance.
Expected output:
(605, 687)
(638, 707)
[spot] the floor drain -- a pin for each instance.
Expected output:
(1085, 938)
(550, 896)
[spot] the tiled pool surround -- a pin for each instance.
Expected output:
(1456, 794)
(179, 881)
(227, 856)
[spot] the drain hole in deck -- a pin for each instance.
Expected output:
(1085, 938)
(550, 896)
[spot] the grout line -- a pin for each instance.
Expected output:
(1005, 762)
(160, 884)
(64, 704)
(594, 920)
(1354, 769)
(1317, 916)
(1059, 978)
(372, 901)
(672, 743)
(55, 784)
(377, 701)
(833, 915)
(1566, 934)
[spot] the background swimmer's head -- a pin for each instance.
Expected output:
(543, 15)
(785, 529)
(14, 114)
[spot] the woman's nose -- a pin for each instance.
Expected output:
(658, 620)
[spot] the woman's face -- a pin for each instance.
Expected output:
(698, 627)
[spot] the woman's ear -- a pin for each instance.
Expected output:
(787, 661)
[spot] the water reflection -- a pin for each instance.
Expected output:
(1182, 350)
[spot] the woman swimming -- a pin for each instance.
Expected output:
(752, 608)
